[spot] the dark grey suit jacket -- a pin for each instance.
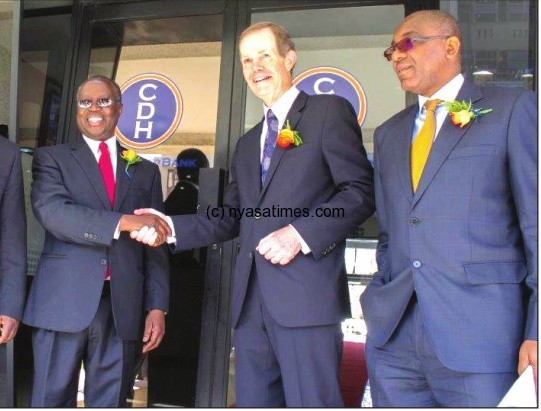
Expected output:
(70, 201)
(329, 170)
(12, 232)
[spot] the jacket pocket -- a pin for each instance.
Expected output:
(495, 272)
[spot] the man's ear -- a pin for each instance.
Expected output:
(291, 59)
(453, 46)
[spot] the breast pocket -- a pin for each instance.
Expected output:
(474, 151)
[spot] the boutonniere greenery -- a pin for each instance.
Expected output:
(287, 136)
(462, 113)
(130, 157)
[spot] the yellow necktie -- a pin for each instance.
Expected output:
(420, 148)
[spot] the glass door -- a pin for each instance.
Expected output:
(170, 63)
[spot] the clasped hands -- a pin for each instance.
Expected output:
(151, 225)
(279, 247)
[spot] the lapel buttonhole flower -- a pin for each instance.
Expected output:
(130, 157)
(462, 113)
(287, 136)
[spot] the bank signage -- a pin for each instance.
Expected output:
(152, 110)
(332, 80)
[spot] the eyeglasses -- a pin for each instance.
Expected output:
(406, 44)
(101, 102)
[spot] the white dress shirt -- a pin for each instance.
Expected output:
(447, 93)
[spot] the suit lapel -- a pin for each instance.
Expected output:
(84, 156)
(293, 116)
(123, 182)
(251, 159)
(448, 137)
(402, 149)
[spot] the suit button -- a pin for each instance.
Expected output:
(86, 235)
(416, 264)
(257, 216)
(103, 261)
(414, 221)
(250, 254)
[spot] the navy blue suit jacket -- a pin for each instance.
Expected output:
(70, 201)
(466, 241)
(13, 232)
(329, 170)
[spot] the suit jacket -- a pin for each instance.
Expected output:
(466, 241)
(70, 201)
(329, 170)
(12, 232)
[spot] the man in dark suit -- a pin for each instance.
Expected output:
(94, 285)
(452, 311)
(12, 241)
(287, 303)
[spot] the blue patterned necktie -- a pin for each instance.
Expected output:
(270, 143)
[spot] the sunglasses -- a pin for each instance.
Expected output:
(406, 44)
(101, 102)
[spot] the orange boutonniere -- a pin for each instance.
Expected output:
(130, 157)
(288, 136)
(462, 113)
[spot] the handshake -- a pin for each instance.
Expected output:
(148, 226)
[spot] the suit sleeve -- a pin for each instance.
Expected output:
(13, 242)
(58, 213)
(204, 228)
(352, 175)
(522, 157)
(156, 259)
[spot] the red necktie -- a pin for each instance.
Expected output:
(106, 168)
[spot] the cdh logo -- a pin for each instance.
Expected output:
(331, 80)
(152, 110)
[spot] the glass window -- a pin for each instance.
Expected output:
(495, 51)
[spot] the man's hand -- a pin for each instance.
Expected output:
(146, 235)
(8, 328)
(154, 330)
(527, 355)
(281, 246)
(159, 226)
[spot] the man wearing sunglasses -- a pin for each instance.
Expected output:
(95, 289)
(452, 311)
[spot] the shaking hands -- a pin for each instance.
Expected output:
(147, 226)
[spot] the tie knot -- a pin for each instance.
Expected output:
(104, 149)
(430, 105)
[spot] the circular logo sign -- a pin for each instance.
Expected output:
(331, 80)
(152, 110)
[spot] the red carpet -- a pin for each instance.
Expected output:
(353, 374)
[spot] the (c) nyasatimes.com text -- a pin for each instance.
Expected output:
(274, 212)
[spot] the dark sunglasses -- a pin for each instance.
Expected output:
(406, 44)
(101, 102)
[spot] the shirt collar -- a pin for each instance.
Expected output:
(282, 106)
(95, 145)
(447, 93)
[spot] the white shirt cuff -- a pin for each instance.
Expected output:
(304, 247)
(172, 239)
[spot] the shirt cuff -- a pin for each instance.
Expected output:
(116, 235)
(172, 239)
(304, 247)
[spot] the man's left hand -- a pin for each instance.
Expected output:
(527, 355)
(154, 330)
(8, 326)
(281, 246)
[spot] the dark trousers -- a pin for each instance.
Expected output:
(108, 362)
(406, 372)
(278, 366)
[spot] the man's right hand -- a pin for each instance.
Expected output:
(131, 223)
(146, 235)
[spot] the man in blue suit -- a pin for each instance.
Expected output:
(290, 285)
(452, 311)
(12, 241)
(97, 295)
